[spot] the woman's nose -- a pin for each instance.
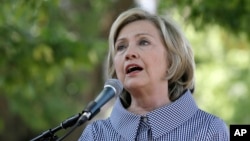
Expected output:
(131, 53)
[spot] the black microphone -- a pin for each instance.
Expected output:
(112, 87)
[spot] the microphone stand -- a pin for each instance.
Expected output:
(49, 134)
(92, 109)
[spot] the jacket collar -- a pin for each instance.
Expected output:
(161, 120)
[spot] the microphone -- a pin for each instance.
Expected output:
(112, 87)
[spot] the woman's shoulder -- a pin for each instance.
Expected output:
(207, 117)
(98, 130)
(209, 126)
(100, 122)
(212, 122)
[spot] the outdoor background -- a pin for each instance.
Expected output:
(52, 58)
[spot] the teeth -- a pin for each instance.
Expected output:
(131, 67)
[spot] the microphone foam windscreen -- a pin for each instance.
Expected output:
(116, 84)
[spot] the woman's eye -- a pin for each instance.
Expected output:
(120, 47)
(143, 42)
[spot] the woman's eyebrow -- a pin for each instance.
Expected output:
(144, 33)
(136, 35)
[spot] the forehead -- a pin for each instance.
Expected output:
(137, 28)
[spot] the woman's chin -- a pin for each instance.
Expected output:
(134, 84)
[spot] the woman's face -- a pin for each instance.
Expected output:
(140, 56)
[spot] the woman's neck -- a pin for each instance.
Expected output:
(142, 103)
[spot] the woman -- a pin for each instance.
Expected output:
(155, 63)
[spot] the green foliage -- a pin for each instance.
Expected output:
(222, 74)
(48, 53)
(233, 15)
(219, 34)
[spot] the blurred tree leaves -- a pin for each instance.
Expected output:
(219, 34)
(51, 61)
(233, 15)
(52, 54)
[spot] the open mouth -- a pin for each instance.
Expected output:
(133, 69)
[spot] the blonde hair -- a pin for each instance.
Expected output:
(181, 65)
